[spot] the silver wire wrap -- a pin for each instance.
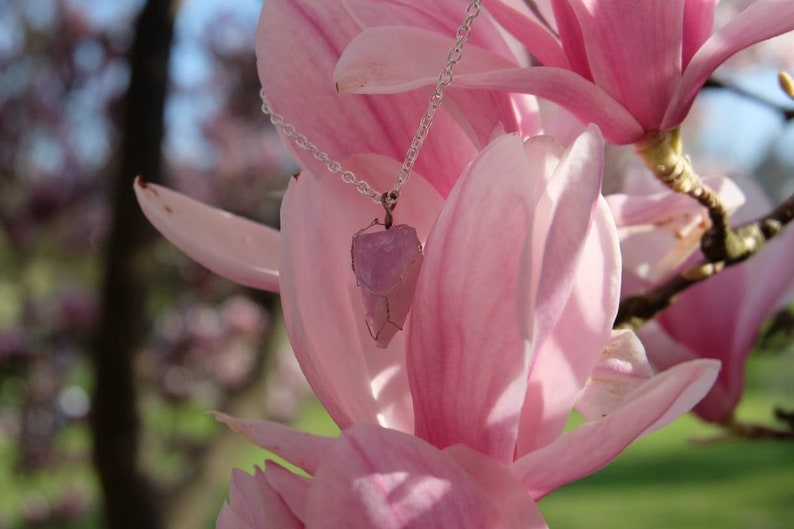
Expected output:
(388, 199)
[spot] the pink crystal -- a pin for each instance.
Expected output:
(386, 264)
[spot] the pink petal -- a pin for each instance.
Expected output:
(467, 361)
(570, 33)
(389, 480)
(567, 357)
(231, 246)
(227, 519)
(393, 59)
(630, 210)
(298, 44)
(621, 369)
(634, 52)
(516, 18)
(659, 232)
(504, 489)
(303, 450)
(563, 218)
(698, 25)
(440, 16)
(582, 98)
(761, 20)
(595, 444)
(291, 488)
(386, 263)
(323, 310)
(254, 504)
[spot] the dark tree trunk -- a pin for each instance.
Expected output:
(130, 500)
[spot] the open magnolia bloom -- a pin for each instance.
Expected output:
(512, 311)
(630, 66)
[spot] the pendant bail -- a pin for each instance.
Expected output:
(389, 201)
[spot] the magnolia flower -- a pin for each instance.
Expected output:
(512, 311)
(630, 66)
(720, 318)
(458, 420)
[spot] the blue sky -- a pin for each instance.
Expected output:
(190, 68)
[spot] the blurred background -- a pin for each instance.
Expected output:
(113, 345)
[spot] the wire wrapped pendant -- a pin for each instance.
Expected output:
(386, 263)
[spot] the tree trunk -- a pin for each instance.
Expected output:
(130, 501)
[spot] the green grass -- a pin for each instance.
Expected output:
(666, 481)
(661, 481)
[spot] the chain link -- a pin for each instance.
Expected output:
(388, 199)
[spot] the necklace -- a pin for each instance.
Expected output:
(386, 262)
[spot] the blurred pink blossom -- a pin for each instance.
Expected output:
(720, 318)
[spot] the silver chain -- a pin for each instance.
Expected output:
(388, 199)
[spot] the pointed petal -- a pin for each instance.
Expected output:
(761, 20)
(570, 34)
(567, 357)
(389, 480)
(582, 98)
(236, 248)
(504, 489)
(255, 504)
(622, 368)
(515, 17)
(563, 218)
(393, 59)
(323, 309)
(595, 444)
(227, 519)
(634, 52)
(562, 224)
(292, 488)
(468, 377)
(698, 25)
(303, 450)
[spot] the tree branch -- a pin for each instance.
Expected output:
(635, 311)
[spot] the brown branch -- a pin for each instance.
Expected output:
(130, 501)
(634, 311)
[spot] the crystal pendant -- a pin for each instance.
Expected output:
(386, 264)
